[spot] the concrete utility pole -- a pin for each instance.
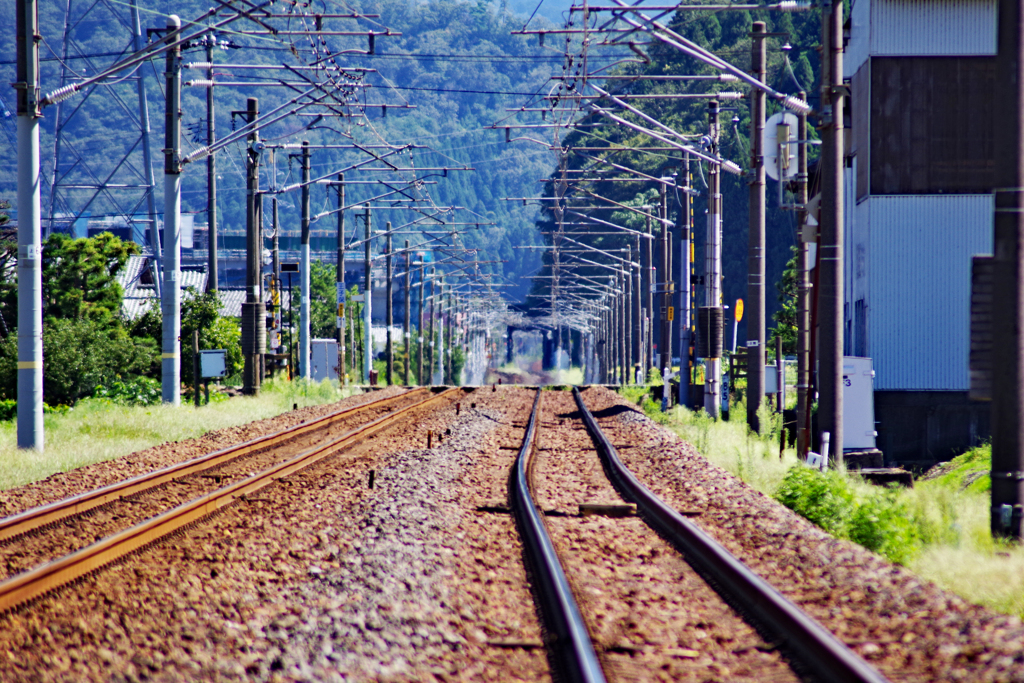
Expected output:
(304, 267)
(170, 303)
(627, 321)
(755, 250)
(407, 328)
(388, 305)
(638, 316)
(253, 308)
(665, 286)
(685, 225)
(649, 361)
(211, 176)
(367, 299)
(449, 359)
(711, 320)
(340, 279)
(803, 307)
(830, 294)
(275, 264)
(1008, 278)
(421, 370)
(30, 256)
(433, 299)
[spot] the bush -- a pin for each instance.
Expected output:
(78, 356)
(137, 391)
(824, 498)
(880, 520)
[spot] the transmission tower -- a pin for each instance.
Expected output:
(115, 182)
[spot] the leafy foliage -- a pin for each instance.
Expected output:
(880, 521)
(78, 355)
(79, 277)
(137, 391)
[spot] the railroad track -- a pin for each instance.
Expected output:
(811, 648)
(28, 585)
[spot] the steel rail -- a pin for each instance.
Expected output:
(567, 638)
(34, 518)
(61, 571)
(816, 647)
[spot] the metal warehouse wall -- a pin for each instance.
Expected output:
(919, 270)
(923, 28)
(919, 28)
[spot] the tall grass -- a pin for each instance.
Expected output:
(939, 529)
(96, 429)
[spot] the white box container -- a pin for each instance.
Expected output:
(858, 404)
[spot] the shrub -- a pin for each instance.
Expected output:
(137, 391)
(879, 520)
(78, 355)
(824, 498)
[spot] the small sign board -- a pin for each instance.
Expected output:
(212, 363)
(289, 267)
(340, 287)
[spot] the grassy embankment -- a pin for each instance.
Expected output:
(98, 429)
(939, 529)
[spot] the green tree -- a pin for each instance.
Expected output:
(785, 315)
(79, 277)
(198, 312)
(78, 355)
(323, 301)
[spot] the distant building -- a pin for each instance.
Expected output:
(918, 203)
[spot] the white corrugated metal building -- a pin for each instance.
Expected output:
(917, 209)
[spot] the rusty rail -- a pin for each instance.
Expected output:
(825, 655)
(29, 520)
(52, 575)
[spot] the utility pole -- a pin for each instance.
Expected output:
(649, 298)
(275, 265)
(637, 314)
(803, 307)
(253, 308)
(433, 299)
(449, 367)
(340, 279)
(367, 299)
(830, 294)
(1008, 273)
(388, 305)
(627, 321)
(711, 319)
(30, 253)
(685, 219)
(756, 245)
(170, 303)
(666, 295)
(420, 374)
(304, 267)
(211, 176)
(407, 328)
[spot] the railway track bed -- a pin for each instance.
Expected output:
(320, 576)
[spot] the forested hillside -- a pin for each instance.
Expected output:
(455, 62)
(790, 69)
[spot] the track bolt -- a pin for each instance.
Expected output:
(458, 408)
(430, 438)
(373, 474)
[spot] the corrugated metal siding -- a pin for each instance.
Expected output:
(856, 51)
(920, 28)
(920, 275)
